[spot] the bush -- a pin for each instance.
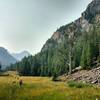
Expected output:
(78, 84)
(54, 78)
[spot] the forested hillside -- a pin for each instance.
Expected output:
(73, 45)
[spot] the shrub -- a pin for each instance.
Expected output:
(54, 78)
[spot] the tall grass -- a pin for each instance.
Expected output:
(38, 88)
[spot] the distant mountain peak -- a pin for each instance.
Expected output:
(25, 52)
(3, 49)
(21, 55)
(6, 58)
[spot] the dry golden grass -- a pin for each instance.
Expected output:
(42, 88)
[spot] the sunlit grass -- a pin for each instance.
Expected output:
(42, 88)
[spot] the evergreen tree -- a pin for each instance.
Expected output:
(83, 57)
(0, 66)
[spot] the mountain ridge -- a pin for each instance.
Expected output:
(21, 55)
(5, 58)
(83, 23)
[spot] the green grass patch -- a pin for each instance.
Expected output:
(78, 84)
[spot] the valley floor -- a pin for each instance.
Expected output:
(42, 88)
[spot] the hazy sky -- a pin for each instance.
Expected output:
(27, 24)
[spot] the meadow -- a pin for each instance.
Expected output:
(43, 88)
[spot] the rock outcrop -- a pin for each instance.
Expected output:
(79, 29)
(92, 10)
(81, 25)
(91, 76)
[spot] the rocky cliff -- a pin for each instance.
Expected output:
(85, 32)
(81, 25)
(92, 10)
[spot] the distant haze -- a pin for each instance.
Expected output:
(21, 55)
(27, 24)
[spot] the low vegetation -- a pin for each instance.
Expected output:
(78, 84)
(43, 88)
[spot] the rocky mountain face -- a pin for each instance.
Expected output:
(81, 25)
(5, 58)
(20, 56)
(92, 10)
(86, 35)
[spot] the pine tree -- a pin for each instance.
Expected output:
(89, 55)
(0, 66)
(83, 62)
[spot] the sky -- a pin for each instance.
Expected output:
(27, 24)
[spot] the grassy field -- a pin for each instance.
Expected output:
(42, 88)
